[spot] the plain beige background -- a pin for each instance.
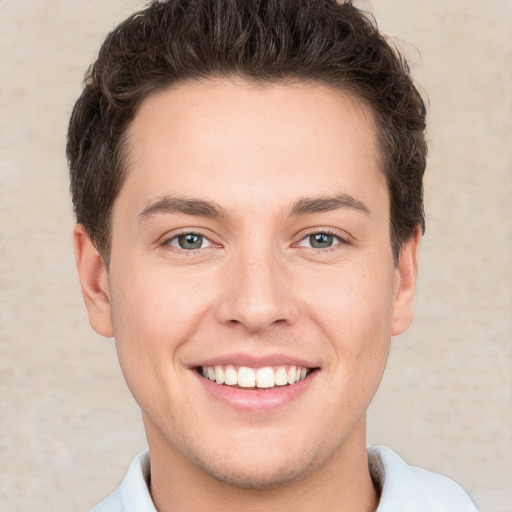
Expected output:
(69, 427)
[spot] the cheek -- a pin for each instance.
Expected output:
(355, 313)
(155, 313)
(155, 306)
(149, 326)
(151, 316)
(352, 301)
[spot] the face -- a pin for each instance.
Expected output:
(251, 287)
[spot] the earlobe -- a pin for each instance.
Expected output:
(405, 284)
(94, 282)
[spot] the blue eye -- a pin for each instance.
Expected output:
(189, 241)
(320, 240)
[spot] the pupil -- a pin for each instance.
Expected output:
(190, 241)
(321, 240)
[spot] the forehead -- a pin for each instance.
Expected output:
(227, 140)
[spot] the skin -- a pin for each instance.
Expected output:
(255, 286)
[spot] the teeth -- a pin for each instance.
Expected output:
(281, 376)
(265, 378)
(290, 376)
(245, 377)
(219, 375)
(230, 376)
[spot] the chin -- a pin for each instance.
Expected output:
(251, 459)
(260, 475)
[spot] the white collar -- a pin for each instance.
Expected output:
(404, 488)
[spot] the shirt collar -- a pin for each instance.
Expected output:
(402, 487)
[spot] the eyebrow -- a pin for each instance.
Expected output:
(304, 206)
(180, 205)
(307, 205)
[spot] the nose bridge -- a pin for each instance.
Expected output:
(257, 292)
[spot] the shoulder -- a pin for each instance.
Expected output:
(133, 494)
(406, 488)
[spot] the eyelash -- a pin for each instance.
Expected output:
(167, 243)
(324, 231)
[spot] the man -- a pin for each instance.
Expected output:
(247, 180)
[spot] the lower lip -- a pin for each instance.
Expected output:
(257, 400)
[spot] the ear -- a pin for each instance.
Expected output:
(405, 284)
(94, 282)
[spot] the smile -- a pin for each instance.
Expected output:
(262, 378)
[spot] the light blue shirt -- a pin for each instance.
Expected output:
(404, 488)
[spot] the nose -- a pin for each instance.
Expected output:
(257, 292)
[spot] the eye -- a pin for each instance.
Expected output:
(189, 242)
(321, 240)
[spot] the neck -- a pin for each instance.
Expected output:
(341, 484)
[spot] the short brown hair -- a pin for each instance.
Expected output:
(173, 41)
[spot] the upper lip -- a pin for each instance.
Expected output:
(255, 360)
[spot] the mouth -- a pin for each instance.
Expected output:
(247, 378)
